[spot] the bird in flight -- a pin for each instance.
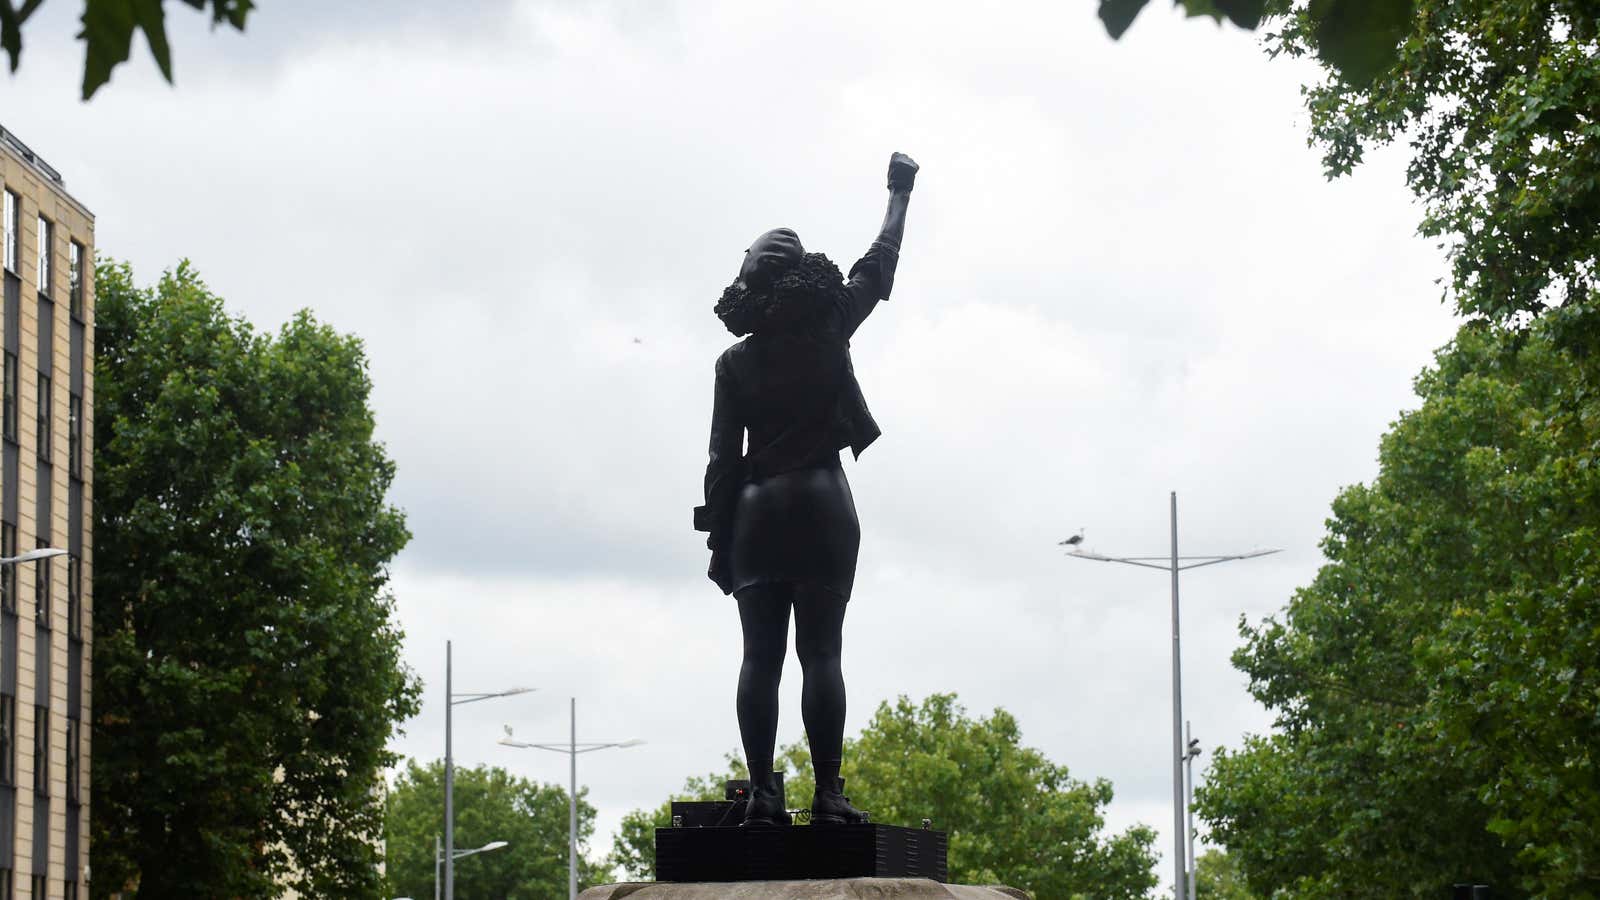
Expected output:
(1073, 541)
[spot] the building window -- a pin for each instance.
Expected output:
(74, 777)
(9, 222)
(74, 597)
(8, 574)
(43, 430)
(39, 889)
(8, 733)
(69, 891)
(75, 435)
(10, 410)
(74, 282)
(44, 255)
(41, 751)
(41, 591)
(5, 884)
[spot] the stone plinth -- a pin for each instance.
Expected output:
(836, 889)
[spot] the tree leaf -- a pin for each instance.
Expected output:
(1361, 38)
(1246, 14)
(152, 22)
(10, 33)
(1119, 14)
(107, 36)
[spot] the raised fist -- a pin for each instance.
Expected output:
(902, 172)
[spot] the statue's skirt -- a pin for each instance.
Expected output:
(799, 528)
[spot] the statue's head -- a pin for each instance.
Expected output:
(779, 285)
(769, 256)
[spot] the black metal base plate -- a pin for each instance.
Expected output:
(794, 852)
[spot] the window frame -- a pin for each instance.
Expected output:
(41, 591)
(44, 421)
(8, 574)
(45, 258)
(8, 740)
(75, 434)
(12, 398)
(41, 750)
(11, 223)
(74, 761)
(75, 253)
(75, 597)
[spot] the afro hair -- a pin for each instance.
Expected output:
(802, 291)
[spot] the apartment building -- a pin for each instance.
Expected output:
(46, 490)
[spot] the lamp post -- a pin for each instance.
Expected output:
(1174, 565)
(451, 702)
(572, 748)
(438, 857)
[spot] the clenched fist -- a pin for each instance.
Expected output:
(902, 172)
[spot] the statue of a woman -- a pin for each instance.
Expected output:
(783, 525)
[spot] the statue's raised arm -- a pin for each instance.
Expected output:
(902, 178)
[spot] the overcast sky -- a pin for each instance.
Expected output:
(1123, 275)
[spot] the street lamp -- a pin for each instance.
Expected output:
(438, 857)
(32, 555)
(452, 701)
(572, 748)
(1174, 565)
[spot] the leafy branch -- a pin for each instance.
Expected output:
(108, 28)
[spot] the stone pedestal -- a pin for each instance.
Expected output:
(833, 889)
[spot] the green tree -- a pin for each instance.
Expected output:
(1217, 876)
(1437, 684)
(108, 29)
(491, 805)
(1012, 815)
(247, 674)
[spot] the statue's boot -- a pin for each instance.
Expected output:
(766, 806)
(831, 807)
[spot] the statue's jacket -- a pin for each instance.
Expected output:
(796, 394)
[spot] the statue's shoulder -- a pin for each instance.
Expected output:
(735, 351)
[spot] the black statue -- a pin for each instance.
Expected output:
(783, 525)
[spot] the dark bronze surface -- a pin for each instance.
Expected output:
(782, 524)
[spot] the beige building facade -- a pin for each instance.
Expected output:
(46, 479)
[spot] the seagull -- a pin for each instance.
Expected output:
(638, 340)
(1073, 541)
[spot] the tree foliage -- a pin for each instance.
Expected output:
(1217, 876)
(1437, 685)
(108, 29)
(1012, 815)
(247, 671)
(1497, 99)
(490, 805)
